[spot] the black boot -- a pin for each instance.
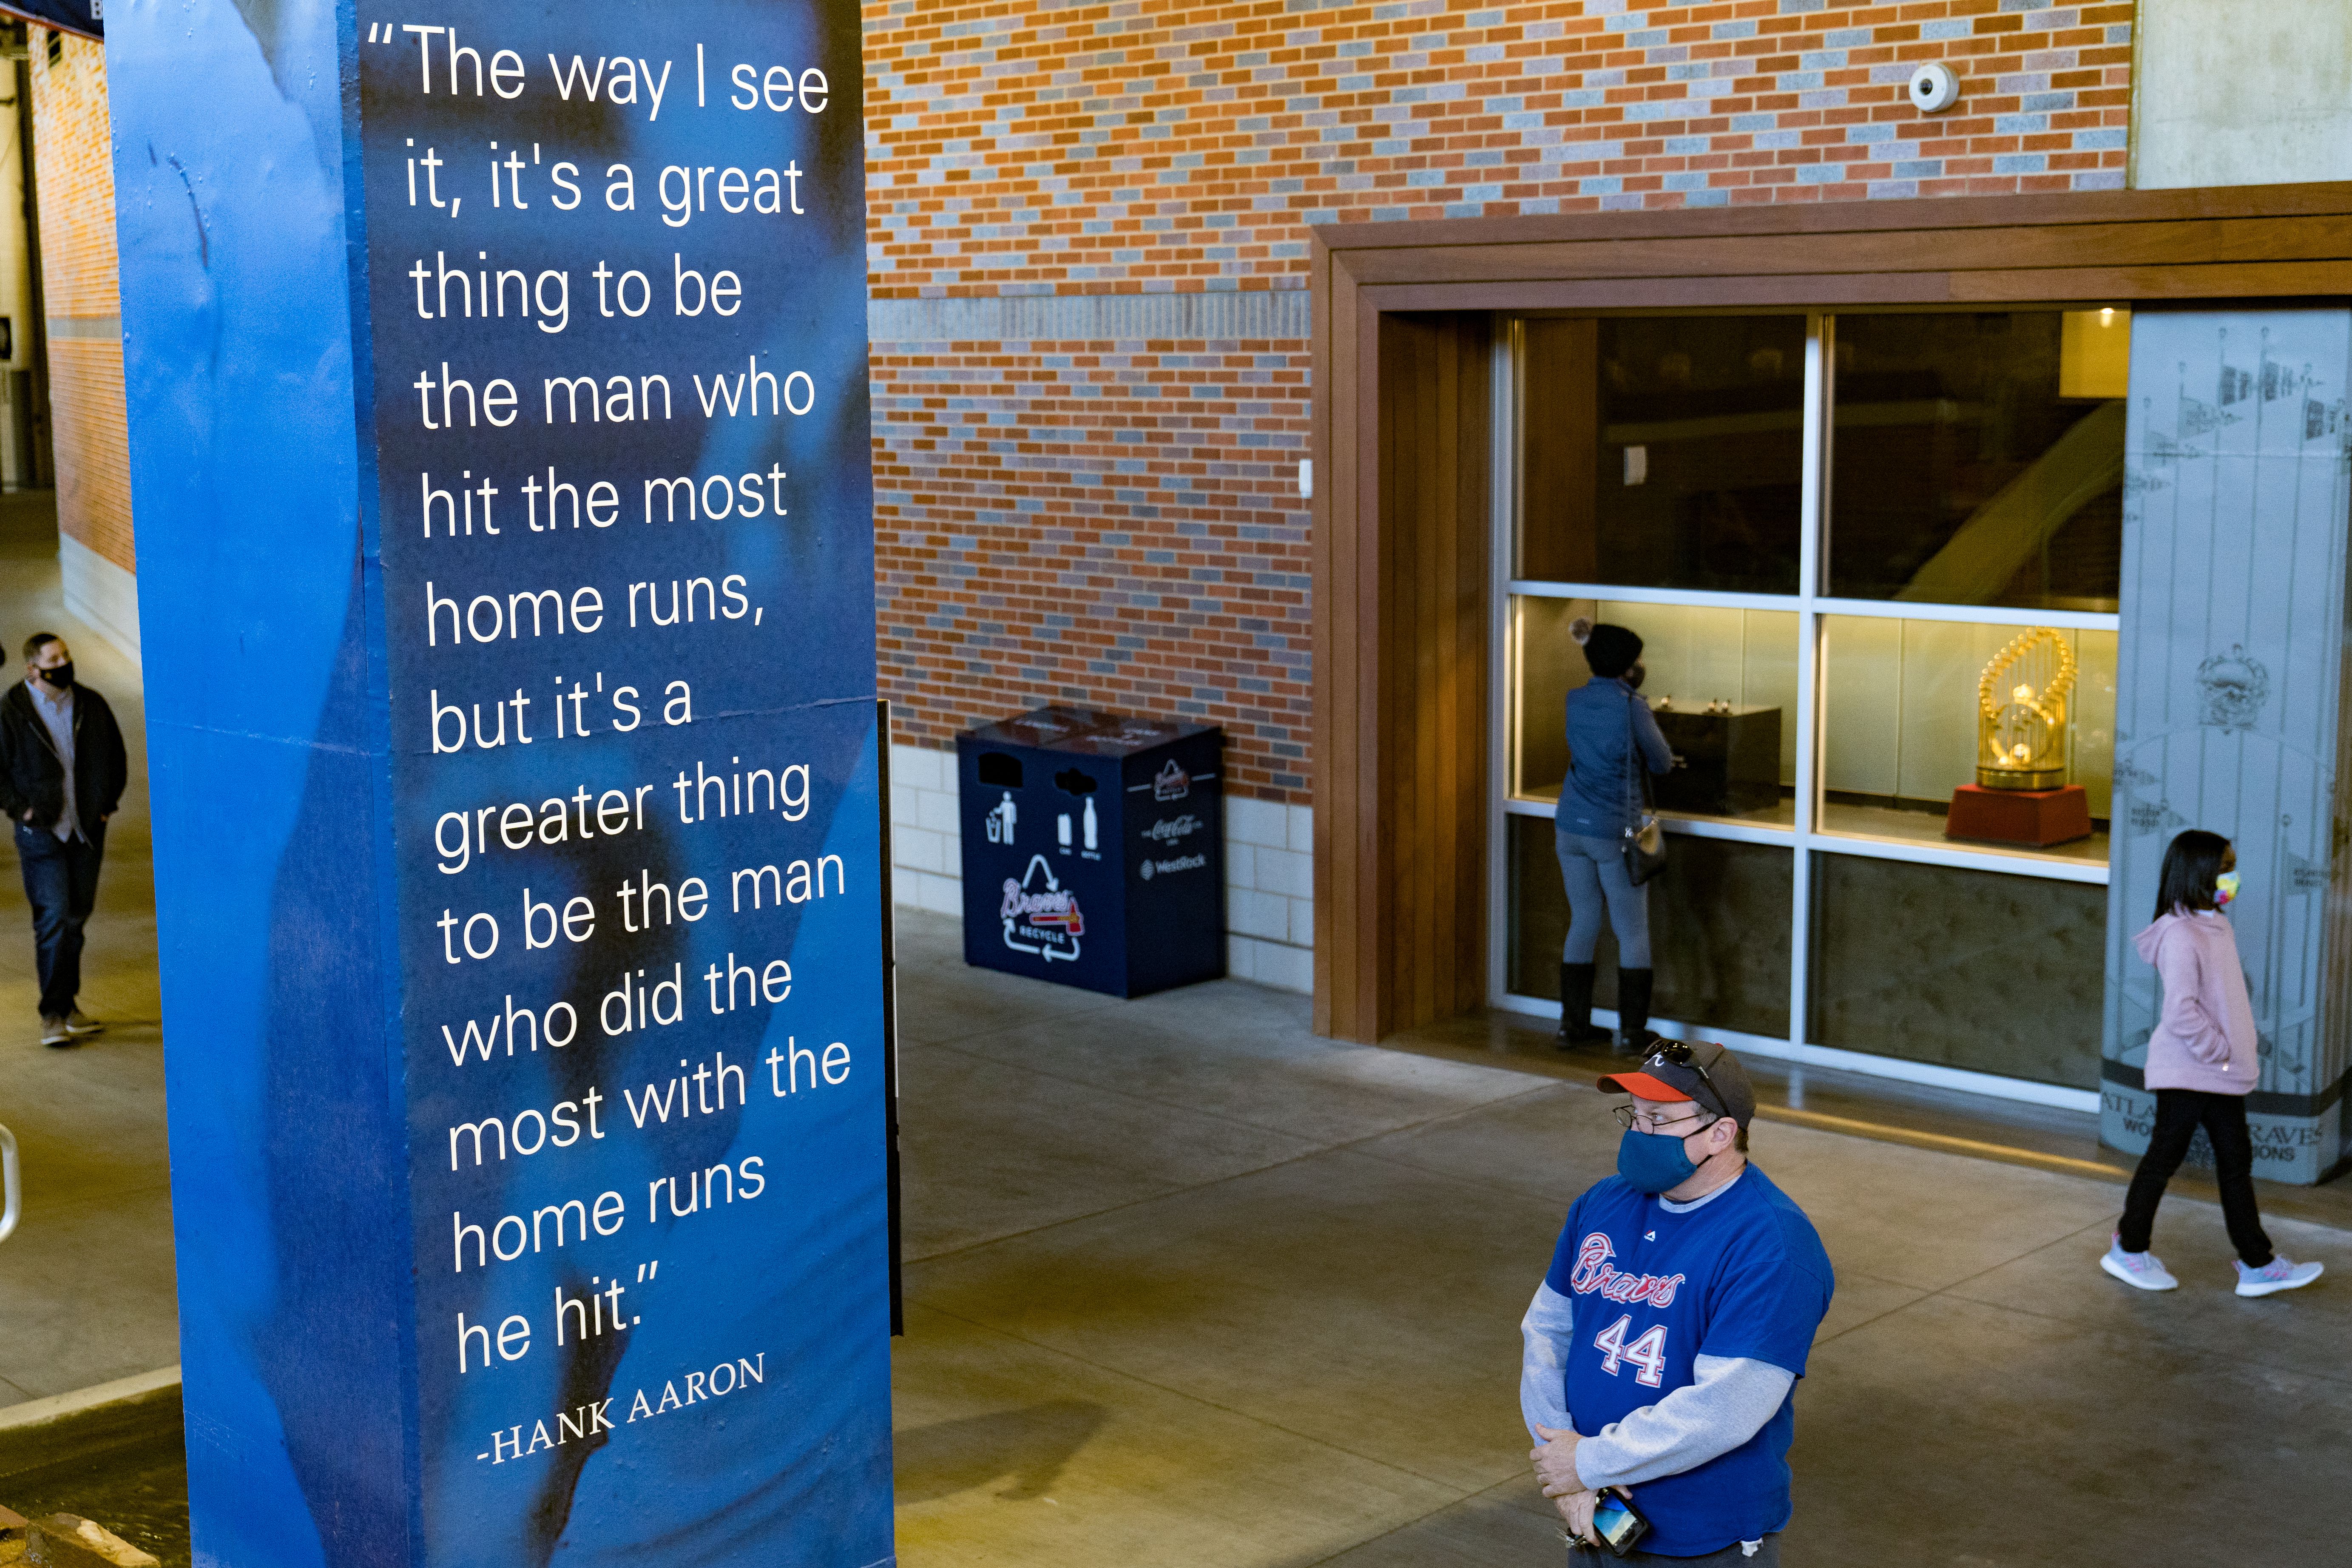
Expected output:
(1576, 1008)
(1633, 1034)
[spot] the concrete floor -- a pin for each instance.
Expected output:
(86, 1293)
(1187, 1284)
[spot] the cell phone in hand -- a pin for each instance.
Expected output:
(1617, 1522)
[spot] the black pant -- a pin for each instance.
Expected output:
(2179, 1112)
(62, 884)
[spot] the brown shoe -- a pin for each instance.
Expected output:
(55, 1033)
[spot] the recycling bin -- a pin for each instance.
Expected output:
(1094, 849)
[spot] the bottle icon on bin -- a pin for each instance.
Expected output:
(1093, 832)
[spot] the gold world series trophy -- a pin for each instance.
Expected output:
(2020, 796)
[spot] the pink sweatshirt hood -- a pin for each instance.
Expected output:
(2204, 1036)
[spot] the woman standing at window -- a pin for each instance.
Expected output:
(1606, 725)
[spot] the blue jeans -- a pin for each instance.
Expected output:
(1598, 889)
(62, 884)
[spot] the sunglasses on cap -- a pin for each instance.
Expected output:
(1675, 1054)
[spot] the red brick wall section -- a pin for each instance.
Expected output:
(73, 168)
(1114, 523)
(1064, 521)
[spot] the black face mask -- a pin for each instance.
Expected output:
(61, 679)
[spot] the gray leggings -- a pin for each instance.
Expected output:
(1594, 871)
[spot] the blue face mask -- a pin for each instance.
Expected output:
(1653, 1161)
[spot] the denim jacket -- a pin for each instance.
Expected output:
(1600, 799)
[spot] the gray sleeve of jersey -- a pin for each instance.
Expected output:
(1729, 1404)
(1543, 1363)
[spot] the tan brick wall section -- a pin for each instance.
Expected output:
(1116, 522)
(72, 151)
(1120, 520)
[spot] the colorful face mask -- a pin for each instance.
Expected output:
(2225, 889)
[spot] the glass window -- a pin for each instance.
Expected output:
(1902, 725)
(1662, 451)
(1723, 683)
(1718, 930)
(1981, 970)
(1978, 458)
(1960, 757)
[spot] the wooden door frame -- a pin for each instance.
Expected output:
(2254, 243)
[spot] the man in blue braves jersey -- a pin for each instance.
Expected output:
(1664, 1347)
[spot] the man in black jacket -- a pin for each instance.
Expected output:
(62, 773)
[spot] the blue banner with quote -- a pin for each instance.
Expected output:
(497, 402)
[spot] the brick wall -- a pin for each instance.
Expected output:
(1111, 522)
(72, 166)
(1116, 519)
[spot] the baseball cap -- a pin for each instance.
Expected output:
(1700, 1071)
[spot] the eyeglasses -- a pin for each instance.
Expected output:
(1629, 1117)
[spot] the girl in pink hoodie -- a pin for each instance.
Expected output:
(2201, 1064)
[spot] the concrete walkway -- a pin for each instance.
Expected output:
(1189, 1286)
(86, 1290)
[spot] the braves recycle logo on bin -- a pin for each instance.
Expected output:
(1173, 782)
(1048, 919)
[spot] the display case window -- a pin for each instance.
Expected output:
(1718, 930)
(1978, 457)
(1889, 824)
(1905, 723)
(1662, 451)
(1959, 968)
(1722, 683)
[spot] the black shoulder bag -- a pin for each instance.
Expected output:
(1646, 842)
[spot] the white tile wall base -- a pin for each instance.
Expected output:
(100, 594)
(1269, 867)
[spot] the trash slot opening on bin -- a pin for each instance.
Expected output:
(998, 769)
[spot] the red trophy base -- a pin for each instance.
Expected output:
(2034, 818)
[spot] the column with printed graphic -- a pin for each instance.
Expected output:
(498, 430)
(2229, 700)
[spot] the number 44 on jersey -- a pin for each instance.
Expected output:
(1648, 1353)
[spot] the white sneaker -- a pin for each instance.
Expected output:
(76, 1023)
(2278, 1274)
(2142, 1270)
(55, 1033)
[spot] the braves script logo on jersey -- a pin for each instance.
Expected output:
(1593, 1276)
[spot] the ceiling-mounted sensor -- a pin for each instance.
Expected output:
(1933, 88)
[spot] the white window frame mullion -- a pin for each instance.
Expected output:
(1820, 346)
(1969, 615)
(1618, 593)
(1503, 652)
